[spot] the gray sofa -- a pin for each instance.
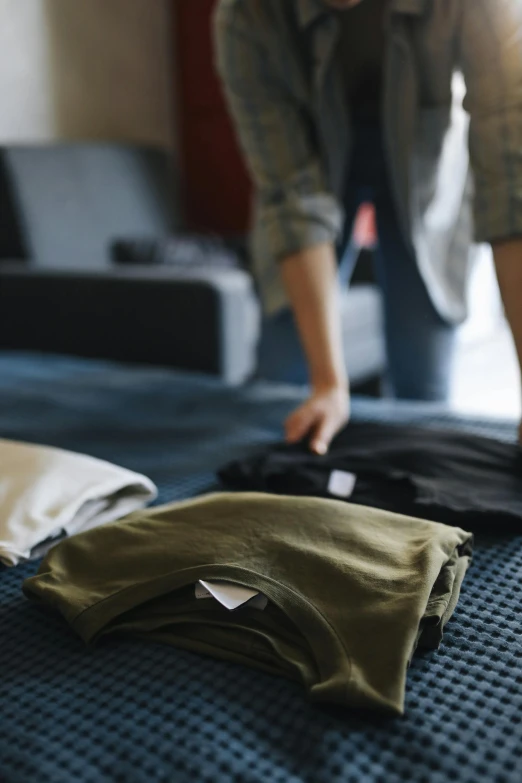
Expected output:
(61, 208)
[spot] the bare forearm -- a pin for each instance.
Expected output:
(310, 279)
(508, 262)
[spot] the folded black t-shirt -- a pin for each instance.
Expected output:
(448, 477)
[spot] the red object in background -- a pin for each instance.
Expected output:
(216, 186)
(365, 227)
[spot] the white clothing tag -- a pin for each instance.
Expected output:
(202, 592)
(231, 596)
(341, 483)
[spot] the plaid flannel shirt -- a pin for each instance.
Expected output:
(285, 90)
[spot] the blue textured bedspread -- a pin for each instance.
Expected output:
(130, 712)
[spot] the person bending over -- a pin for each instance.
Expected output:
(339, 102)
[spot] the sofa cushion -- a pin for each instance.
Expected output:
(69, 201)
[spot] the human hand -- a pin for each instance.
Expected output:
(321, 417)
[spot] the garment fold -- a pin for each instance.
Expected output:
(351, 590)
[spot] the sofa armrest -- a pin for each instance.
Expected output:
(205, 320)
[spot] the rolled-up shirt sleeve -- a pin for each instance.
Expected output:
(491, 61)
(294, 206)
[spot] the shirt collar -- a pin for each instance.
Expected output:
(310, 10)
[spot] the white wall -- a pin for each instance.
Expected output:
(86, 69)
(27, 110)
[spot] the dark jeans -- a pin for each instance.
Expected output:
(420, 344)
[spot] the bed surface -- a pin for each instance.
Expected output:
(131, 712)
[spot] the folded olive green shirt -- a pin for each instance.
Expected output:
(352, 590)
